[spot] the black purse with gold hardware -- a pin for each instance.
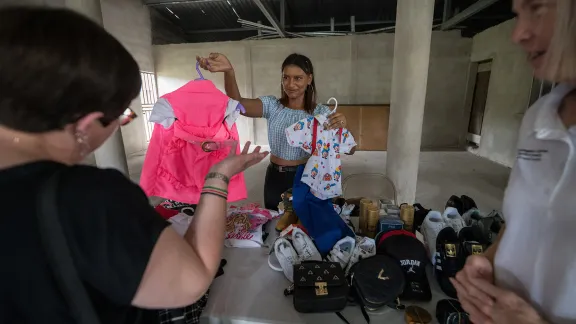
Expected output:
(377, 282)
(319, 287)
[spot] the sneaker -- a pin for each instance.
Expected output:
(365, 248)
(432, 225)
(470, 215)
(342, 251)
(467, 204)
(453, 219)
(455, 202)
(286, 256)
(449, 259)
(471, 241)
(304, 246)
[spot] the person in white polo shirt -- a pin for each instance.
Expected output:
(529, 275)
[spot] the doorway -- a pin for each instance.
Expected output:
(479, 102)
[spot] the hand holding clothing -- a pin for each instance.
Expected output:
(336, 120)
(215, 62)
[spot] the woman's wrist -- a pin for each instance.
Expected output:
(215, 187)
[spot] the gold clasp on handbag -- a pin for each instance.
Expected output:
(321, 288)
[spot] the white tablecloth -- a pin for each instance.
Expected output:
(251, 292)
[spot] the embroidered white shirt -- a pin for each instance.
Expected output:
(535, 257)
(323, 170)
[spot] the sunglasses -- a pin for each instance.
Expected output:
(125, 118)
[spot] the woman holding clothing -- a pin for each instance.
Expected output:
(298, 101)
(61, 97)
(529, 275)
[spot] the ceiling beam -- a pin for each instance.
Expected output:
(283, 14)
(447, 10)
(270, 16)
(467, 13)
(177, 2)
(322, 25)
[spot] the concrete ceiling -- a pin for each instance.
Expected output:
(226, 20)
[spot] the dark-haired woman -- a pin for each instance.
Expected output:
(298, 101)
(61, 97)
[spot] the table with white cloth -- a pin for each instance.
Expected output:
(251, 292)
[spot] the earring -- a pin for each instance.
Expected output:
(82, 140)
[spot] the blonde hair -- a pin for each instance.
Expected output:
(561, 58)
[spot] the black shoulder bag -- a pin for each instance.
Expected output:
(59, 255)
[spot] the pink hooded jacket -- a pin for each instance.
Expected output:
(177, 160)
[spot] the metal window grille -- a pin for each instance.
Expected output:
(148, 97)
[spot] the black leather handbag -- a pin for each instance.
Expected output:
(377, 282)
(319, 287)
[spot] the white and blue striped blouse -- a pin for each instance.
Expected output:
(279, 118)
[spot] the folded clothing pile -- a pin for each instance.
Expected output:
(244, 225)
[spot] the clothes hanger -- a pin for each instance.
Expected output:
(199, 72)
(335, 106)
(240, 107)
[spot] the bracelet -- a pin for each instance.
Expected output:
(216, 175)
(210, 188)
(214, 194)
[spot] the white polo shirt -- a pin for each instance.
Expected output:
(537, 255)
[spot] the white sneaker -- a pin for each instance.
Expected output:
(365, 248)
(286, 256)
(342, 251)
(467, 217)
(432, 225)
(453, 219)
(304, 246)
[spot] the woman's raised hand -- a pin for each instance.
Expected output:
(236, 163)
(215, 62)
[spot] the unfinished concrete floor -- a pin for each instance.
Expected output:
(441, 175)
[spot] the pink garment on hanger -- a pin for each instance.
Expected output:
(176, 165)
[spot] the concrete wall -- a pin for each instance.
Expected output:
(508, 92)
(129, 22)
(354, 69)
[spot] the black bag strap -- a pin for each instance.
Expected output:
(342, 317)
(59, 255)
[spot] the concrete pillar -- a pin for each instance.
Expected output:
(111, 154)
(409, 79)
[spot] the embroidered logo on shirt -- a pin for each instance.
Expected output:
(530, 155)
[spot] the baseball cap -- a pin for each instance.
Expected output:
(411, 254)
